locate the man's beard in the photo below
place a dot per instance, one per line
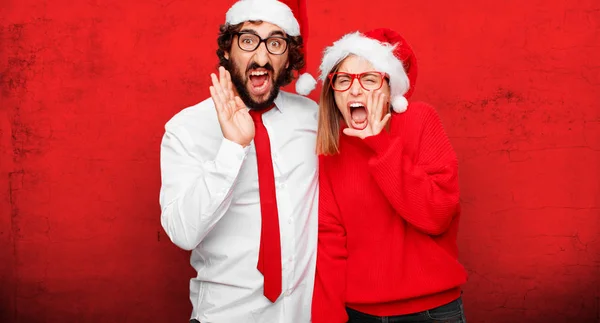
(237, 78)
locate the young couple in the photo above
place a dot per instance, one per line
(345, 211)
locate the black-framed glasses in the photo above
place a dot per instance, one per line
(369, 81)
(249, 42)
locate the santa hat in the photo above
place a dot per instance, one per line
(282, 14)
(387, 51)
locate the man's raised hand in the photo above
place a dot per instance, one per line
(234, 119)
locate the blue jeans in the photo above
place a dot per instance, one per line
(449, 313)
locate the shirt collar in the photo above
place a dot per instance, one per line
(279, 102)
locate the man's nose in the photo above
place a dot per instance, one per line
(262, 55)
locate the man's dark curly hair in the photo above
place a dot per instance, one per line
(295, 55)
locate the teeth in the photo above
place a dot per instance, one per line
(257, 73)
(356, 105)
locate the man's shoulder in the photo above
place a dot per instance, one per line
(298, 101)
(202, 113)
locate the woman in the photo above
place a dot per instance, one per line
(389, 196)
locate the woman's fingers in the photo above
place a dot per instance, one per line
(352, 132)
(386, 119)
(377, 106)
(380, 106)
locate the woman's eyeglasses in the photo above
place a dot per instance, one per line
(369, 81)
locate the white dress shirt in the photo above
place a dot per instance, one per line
(210, 205)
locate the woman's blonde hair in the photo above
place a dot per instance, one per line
(328, 131)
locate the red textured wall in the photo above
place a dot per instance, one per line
(87, 87)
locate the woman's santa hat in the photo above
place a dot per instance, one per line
(387, 51)
(282, 14)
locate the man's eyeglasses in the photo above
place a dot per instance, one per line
(369, 81)
(249, 42)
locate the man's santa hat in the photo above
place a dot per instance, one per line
(387, 51)
(282, 14)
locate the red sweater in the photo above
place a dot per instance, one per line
(388, 221)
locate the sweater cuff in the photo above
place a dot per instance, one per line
(379, 143)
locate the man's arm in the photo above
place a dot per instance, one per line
(195, 193)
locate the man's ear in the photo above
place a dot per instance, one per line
(226, 54)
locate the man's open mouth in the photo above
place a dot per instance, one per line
(260, 82)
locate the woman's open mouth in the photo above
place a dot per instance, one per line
(358, 115)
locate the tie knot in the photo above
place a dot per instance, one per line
(257, 114)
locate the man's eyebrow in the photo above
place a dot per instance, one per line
(251, 31)
(277, 33)
(273, 33)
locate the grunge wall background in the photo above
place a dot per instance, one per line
(87, 86)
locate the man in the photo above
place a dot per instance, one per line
(239, 176)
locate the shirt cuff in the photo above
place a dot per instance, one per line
(379, 143)
(230, 157)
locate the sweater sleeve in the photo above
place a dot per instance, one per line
(422, 185)
(329, 301)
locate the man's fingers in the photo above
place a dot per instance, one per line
(215, 82)
(229, 83)
(239, 103)
(223, 81)
(216, 99)
(217, 88)
(212, 94)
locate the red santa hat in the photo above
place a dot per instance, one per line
(282, 14)
(387, 51)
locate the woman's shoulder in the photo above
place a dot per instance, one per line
(417, 114)
(418, 109)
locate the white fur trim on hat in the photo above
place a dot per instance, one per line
(380, 55)
(271, 11)
(305, 84)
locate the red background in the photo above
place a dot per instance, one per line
(87, 87)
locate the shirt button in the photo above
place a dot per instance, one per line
(288, 292)
(290, 220)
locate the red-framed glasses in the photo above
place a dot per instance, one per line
(369, 81)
